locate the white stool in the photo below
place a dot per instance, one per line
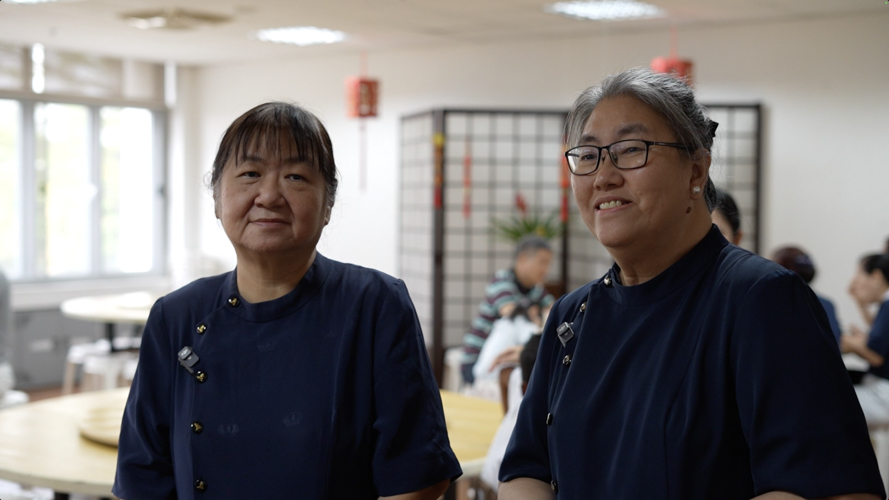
(13, 398)
(452, 379)
(103, 371)
(77, 353)
(128, 372)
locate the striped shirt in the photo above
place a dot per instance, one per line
(503, 289)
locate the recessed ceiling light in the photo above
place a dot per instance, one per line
(606, 10)
(300, 35)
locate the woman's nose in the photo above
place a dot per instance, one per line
(269, 192)
(607, 175)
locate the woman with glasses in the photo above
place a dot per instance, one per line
(692, 369)
(293, 376)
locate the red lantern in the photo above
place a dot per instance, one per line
(680, 68)
(361, 97)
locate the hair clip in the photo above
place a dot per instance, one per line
(713, 126)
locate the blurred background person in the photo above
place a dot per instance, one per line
(796, 260)
(521, 285)
(518, 383)
(727, 217)
(870, 285)
(509, 333)
(292, 376)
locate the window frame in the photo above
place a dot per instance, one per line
(27, 184)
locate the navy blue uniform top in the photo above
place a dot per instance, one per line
(325, 392)
(717, 379)
(878, 340)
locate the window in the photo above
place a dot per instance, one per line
(82, 189)
(10, 188)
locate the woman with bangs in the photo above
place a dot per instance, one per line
(292, 376)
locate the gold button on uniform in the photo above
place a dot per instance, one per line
(234, 301)
(201, 376)
(202, 328)
(607, 281)
(566, 360)
(200, 485)
(583, 307)
(197, 427)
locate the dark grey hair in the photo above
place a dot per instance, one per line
(271, 122)
(531, 244)
(665, 94)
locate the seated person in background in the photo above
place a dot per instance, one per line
(518, 382)
(871, 286)
(727, 217)
(796, 260)
(523, 284)
(6, 375)
(509, 334)
(865, 308)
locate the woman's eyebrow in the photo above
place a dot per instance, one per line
(631, 128)
(625, 130)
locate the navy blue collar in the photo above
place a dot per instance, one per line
(672, 279)
(271, 310)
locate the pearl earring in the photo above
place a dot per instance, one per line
(696, 190)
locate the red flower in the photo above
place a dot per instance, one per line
(520, 204)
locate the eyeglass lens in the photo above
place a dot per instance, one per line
(624, 154)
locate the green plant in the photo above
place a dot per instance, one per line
(524, 223)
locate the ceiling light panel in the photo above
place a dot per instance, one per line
(300, 35)
(606, 10)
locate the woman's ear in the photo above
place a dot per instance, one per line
(700, 172)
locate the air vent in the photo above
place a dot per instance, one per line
(173, 19)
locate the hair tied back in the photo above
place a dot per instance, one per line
(713, 126)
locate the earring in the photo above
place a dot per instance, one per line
(696, 190)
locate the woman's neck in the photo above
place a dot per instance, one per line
(641, 263)
(271, 277)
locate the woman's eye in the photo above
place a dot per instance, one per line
(250, 174)
(295, 177)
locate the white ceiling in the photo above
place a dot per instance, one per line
(95, 26)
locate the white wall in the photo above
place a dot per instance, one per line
(822, 82)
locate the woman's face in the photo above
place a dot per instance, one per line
(653, 199)
(272, 202)
(867, 288)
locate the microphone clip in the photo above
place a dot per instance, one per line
(188, 358)
(565, 333)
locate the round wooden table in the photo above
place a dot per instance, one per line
(41, 444)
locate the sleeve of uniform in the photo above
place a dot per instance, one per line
(144, 461)
(798, 411)
(412, 451)
(878, 340)
(527, 454)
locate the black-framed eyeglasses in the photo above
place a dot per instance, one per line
(625, 155)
